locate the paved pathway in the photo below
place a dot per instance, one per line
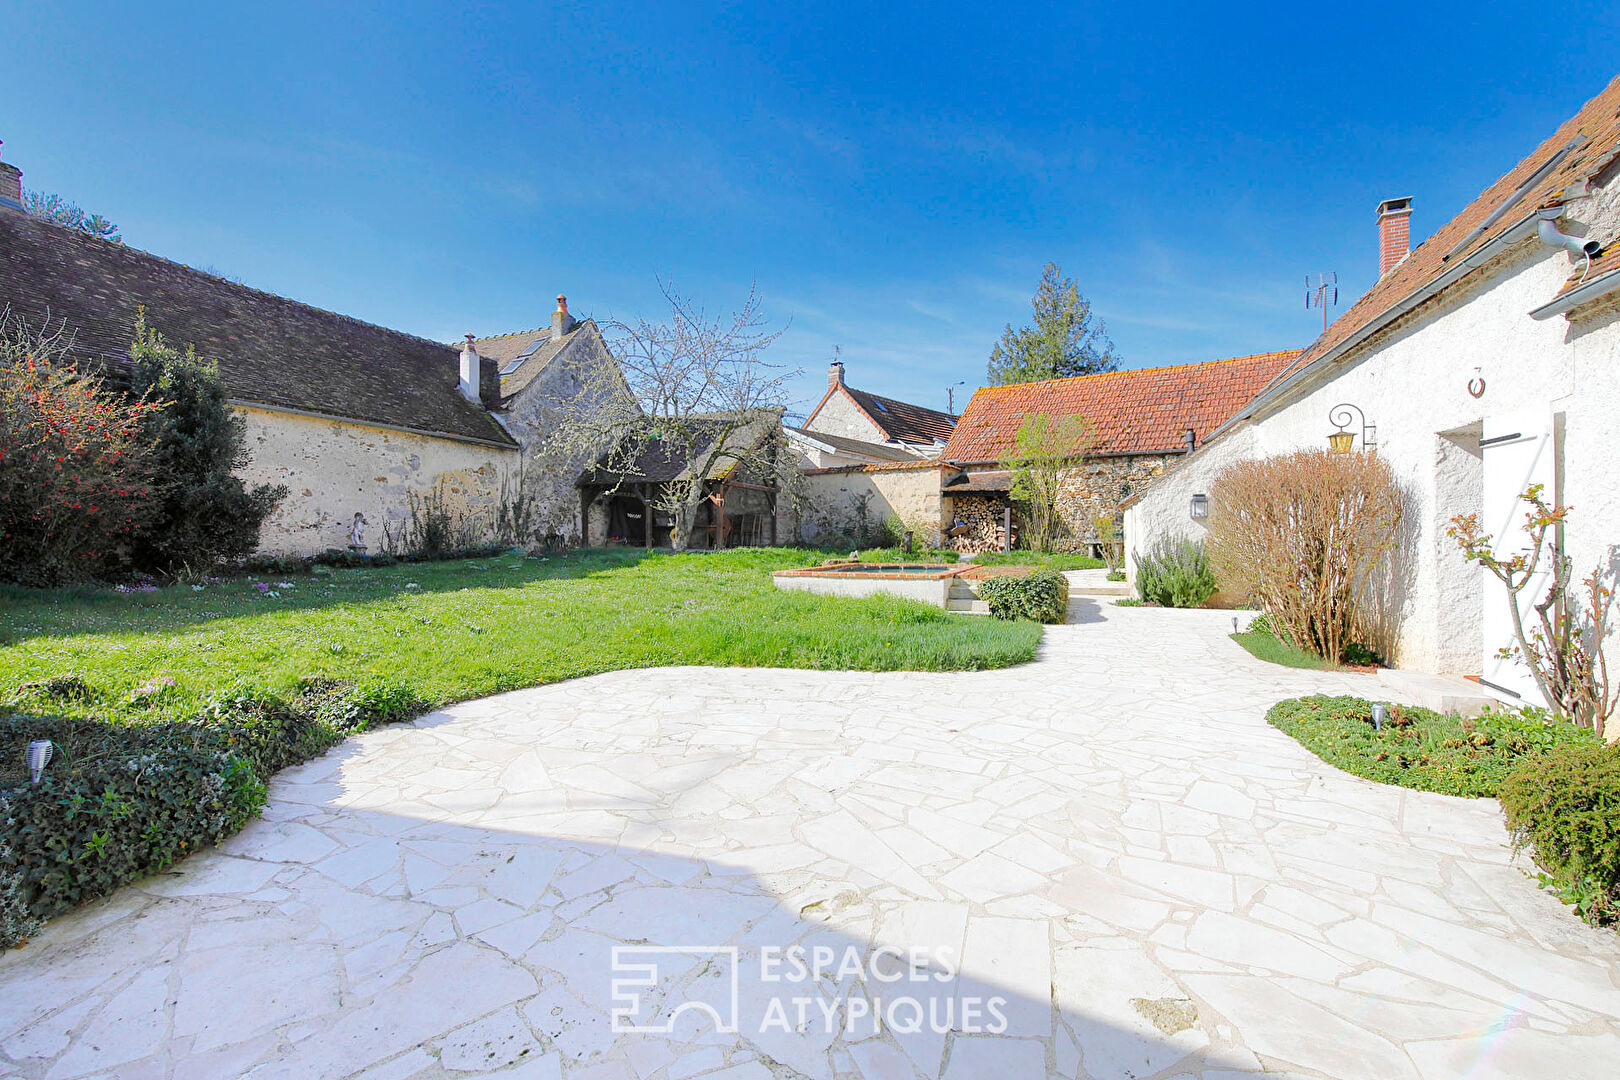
(1104, 864)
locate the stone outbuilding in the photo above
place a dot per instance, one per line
(353, 418)
(1138, 423)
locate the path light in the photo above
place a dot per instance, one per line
(1200, 507)
(38, 756)
(1234, 624)
(1380, 714)
(1341, 441)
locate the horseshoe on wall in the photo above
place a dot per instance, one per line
(1476, 385)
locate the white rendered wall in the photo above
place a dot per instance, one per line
(1412, 381)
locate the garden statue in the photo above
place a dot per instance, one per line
(357, 534)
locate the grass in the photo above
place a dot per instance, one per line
(1418, 748)
(1039, 558)
(1263, 646)
(456, 630)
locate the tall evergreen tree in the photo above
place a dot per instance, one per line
(206, 513)
(1066, 340)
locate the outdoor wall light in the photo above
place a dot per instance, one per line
(38, 756)
(1200, 507)
(1342, 440)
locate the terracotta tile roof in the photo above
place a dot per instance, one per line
(270, 350)
(1141, 411)
(1595, 133)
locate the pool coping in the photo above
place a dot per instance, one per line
(834, 573)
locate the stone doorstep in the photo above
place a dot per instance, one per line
(1442, 693)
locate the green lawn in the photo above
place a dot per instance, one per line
(457, 630)
(1265, 647)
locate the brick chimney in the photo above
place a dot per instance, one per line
(1394, 233)
(835, 374)
(561, 321)
(10, 186)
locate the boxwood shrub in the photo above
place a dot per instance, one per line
(1042, 596)
(121, 800)
(1564, 806)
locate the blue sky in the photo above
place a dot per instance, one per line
(894, 176)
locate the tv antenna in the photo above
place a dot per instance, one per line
(950, 396)
(1324, 294)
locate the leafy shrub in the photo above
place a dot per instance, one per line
(1564, 805)
(1043, 596)
(1307, 534)
(1418, 748)
(120, 801)
(75, 465)
(1175, 573)
(1116, 575)
(202, 512)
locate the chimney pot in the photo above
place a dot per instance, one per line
(1394, 233)
(835, 374)
(561, 321)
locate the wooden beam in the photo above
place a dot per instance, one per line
(646, 521)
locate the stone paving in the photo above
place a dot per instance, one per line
(1103, 864)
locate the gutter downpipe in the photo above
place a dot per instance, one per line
(1518, 231)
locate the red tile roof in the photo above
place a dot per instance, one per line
(1141, 411)
(1595, 135)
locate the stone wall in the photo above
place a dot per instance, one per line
(334, 469)
(830, 503)
(1098, 485)
(535, 412)
(841, 416)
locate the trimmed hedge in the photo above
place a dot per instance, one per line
(1042, 596)
(120, 801)
(1418, 748)
(1564, 806)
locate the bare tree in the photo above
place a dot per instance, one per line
(1564, 648)
(692, 393)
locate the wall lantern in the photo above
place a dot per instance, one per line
(1343, 440)
(1200, 507)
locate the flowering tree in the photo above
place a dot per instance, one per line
(75, 464)
(1563, 647)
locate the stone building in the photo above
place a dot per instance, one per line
(870, 465)
(351, 417)
(1483, 360)
(1138, 423)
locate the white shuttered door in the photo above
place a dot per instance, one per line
(1518, 451)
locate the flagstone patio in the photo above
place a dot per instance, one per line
(1111, 842)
